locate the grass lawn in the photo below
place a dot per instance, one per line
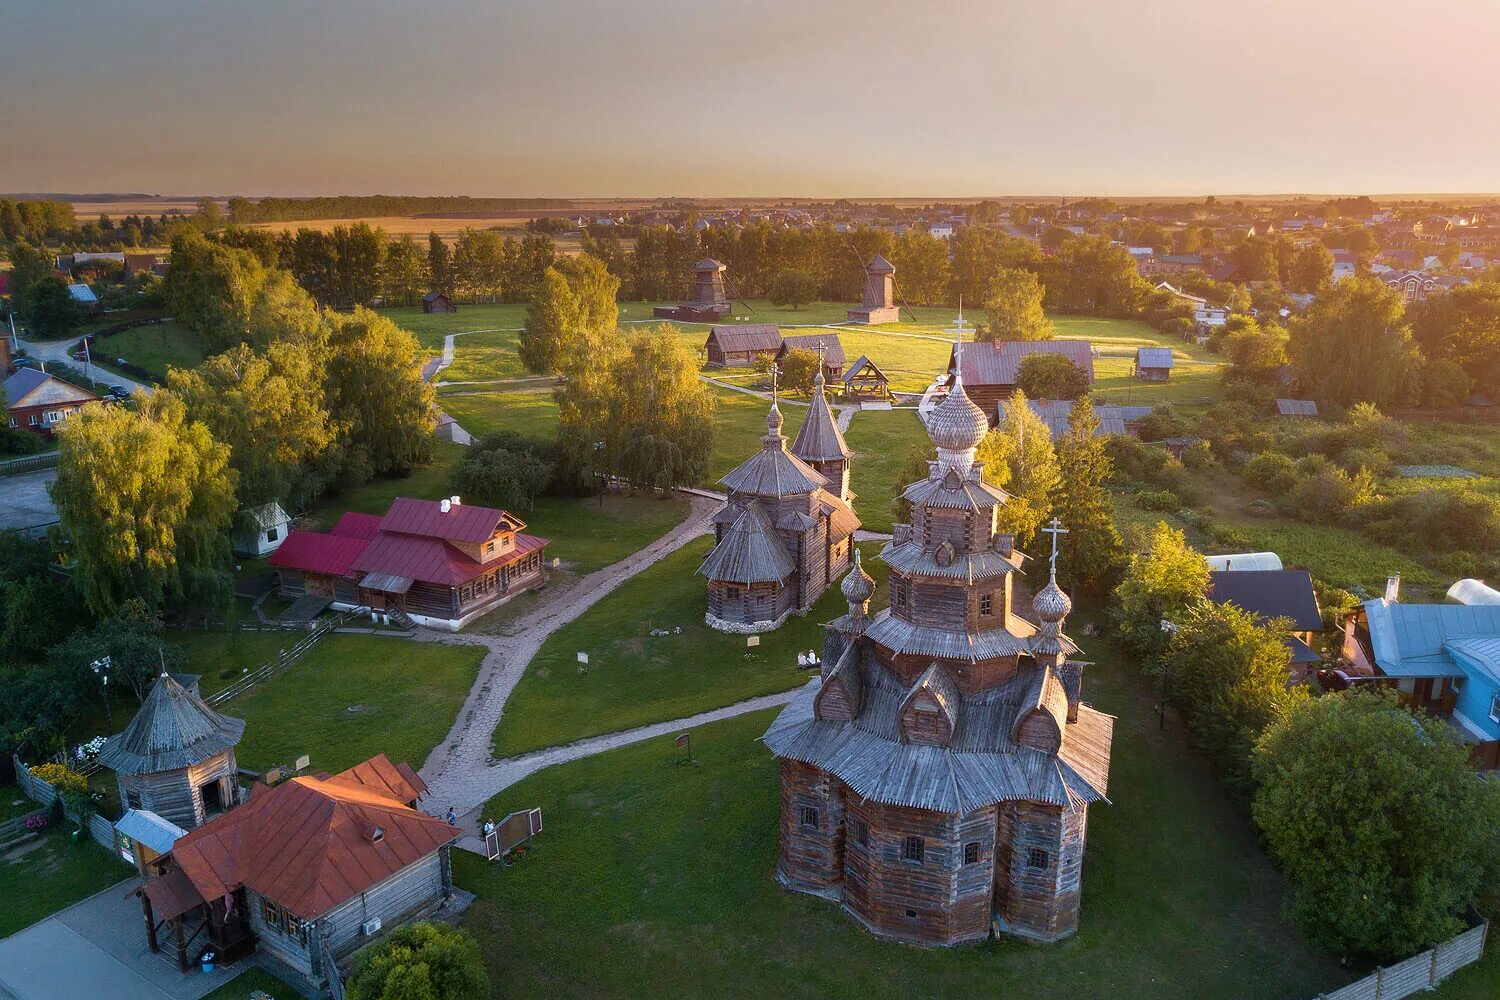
(1192, 384)
(741, 425)
(53, 876)
(431, 328)
(354, 696)
(633, 679)
(480, 356)
(663, 875)
(880, 440)
(155, 348)
(533, 414)
(246, 983)
(219, 656)
(430, 482)
(587, 536)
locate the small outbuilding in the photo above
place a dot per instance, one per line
(259, 531)
(1154, 364)
(828, 343)
(742, 346)
(864, 380)
(1296, 408)
(1276, 593)
(437, 302)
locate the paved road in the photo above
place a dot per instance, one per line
(57, 350)
(24, 502)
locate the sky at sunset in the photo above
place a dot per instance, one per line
(768, 98)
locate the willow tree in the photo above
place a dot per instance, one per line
(1354, 345)
(376, 393)
(145, 497)
(571, 310)
(210, 288)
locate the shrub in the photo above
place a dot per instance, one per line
(1158, 500)
(61, 777)
(1329, 493)
(1271, 471)
(422, 961)
(1051, 376)
(1442, 520)
(1199, 456)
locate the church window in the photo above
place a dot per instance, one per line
(898, 595)
(971, 853)
(1036, 858)
(862, 833)
(809, 817)
(987, 605)
(913, 849)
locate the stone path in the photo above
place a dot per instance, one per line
(461, 772)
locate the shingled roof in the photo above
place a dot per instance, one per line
(833, 350)
(174, 729)
(735, 339)
(773, 471)
(749, 552)
(998, 362)
(819, 438)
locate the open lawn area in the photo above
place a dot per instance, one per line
(431, 328)
(354, 696)
(532, 413)
(587, 535)
(663, 875)
(1192, 383)
(37, 882)
(482, 356)
(155, 348)
(741, 424)
(881, 440)
(244, 986)
(634, 679)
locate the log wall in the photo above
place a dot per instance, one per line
(812, 855)
(178, 795)
(1040, 901)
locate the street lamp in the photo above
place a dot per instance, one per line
(101, 667)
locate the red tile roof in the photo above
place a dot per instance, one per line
(308, 844)
(315, 552)
(463, 523)
(353, 525)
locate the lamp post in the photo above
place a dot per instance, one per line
(101, 667)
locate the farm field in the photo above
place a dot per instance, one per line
(355, 695)
(641, 854)
(633, 678)
(881, 440)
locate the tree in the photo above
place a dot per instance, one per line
(1386, 849)
(1014, 307)
(405, 271)
(283, 313)
(1255, 353)
(1091, 275)
(570, 311)
(1091, 553)
(145, 498)
(48, 308)
(208, 217)
(421, 961)
(1312, 268)
(1160, 584)
(642, 400)
(1354, 345)
(799, 367)
(793, 287)
(376, 390)
(1462, 325)
(210, 288)
(501, 471)
(28, 265)
(132, 639)
(979, 253)
(921, 262)
(1229, 673)
(1023, 445)
(1051, 376)
(439, 265)
(268, 407)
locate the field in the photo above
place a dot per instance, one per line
(155, 348)
(532, 413)
(353, 696)
(881, 441)
(742, 423)
(642, 855)
(633, 678)
(431, 328)
(587, 535)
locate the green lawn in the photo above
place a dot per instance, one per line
(880, 440)
(56, 875)
(431, 328)
(155, 348)
(480, 356)
(741, 424)
(354, 696)
(219, 656)
(662, 875)
(533, 414)
(247, 982)
(633, 678)
(1192, 383)
(587, 535)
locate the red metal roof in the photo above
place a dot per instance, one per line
(463, 523)
(315, 552)
(353, 525)
(308, 844)
(432, 560)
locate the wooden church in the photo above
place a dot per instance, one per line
(787, 528)
(936, 779)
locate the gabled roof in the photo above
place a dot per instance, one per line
(749, 552)
(1297, 407)
(433, 296)
(173, 729)
(309, 844)
(998, 362)
(879, 265)
(1418, 640)
(460, 523)
(833, 350)
(1153, 357)
(708, 264)
(1269, 593)
(860, 364)
(33, 387)
(265, 516)
(315, 552)
(1055, 413)
(734, 339)
(431, 560)
(355, 525)
(819, 438)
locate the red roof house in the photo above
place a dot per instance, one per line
(438, 562)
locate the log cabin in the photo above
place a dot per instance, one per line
(742, 346)
(439, 563)
(990, 368)
(936, 779)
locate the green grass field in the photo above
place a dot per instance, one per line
(53, 876)
(587, 535)
(155, 348)
(533, 414)
(741, 425)
(633, 678)
(881, 441)
(662, 875)
(430, 482)
(245, 985)
(480, 357)
(354, 696)
(431, 328)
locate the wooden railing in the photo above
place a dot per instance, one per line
(286, 658)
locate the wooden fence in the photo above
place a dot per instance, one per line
(1418, 973)
(28, 463)
(285, 659)
(100, 829)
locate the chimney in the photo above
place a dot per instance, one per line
(1393, 588)
(444, 505)
(453, 501)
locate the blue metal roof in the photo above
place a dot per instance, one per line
(1419, 640)
(1480, 655)
(1153, 357)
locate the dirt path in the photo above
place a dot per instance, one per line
(461, 772)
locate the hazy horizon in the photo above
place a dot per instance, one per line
(665, 98)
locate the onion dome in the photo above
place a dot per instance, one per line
(857, 587)
(773, 419)
(957, 424)
(1051, 604)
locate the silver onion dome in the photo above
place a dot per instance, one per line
(857, 587)
(956, 424)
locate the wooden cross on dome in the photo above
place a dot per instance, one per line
(1054, 528)
(774, 371)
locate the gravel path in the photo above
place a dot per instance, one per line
(460, 772)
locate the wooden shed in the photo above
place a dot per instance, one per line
(1296, 408)
(833, 351)
(437, 302)
(865, 380)
(1154, 364)
(742, 346)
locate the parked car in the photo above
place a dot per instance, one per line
(119, 390)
